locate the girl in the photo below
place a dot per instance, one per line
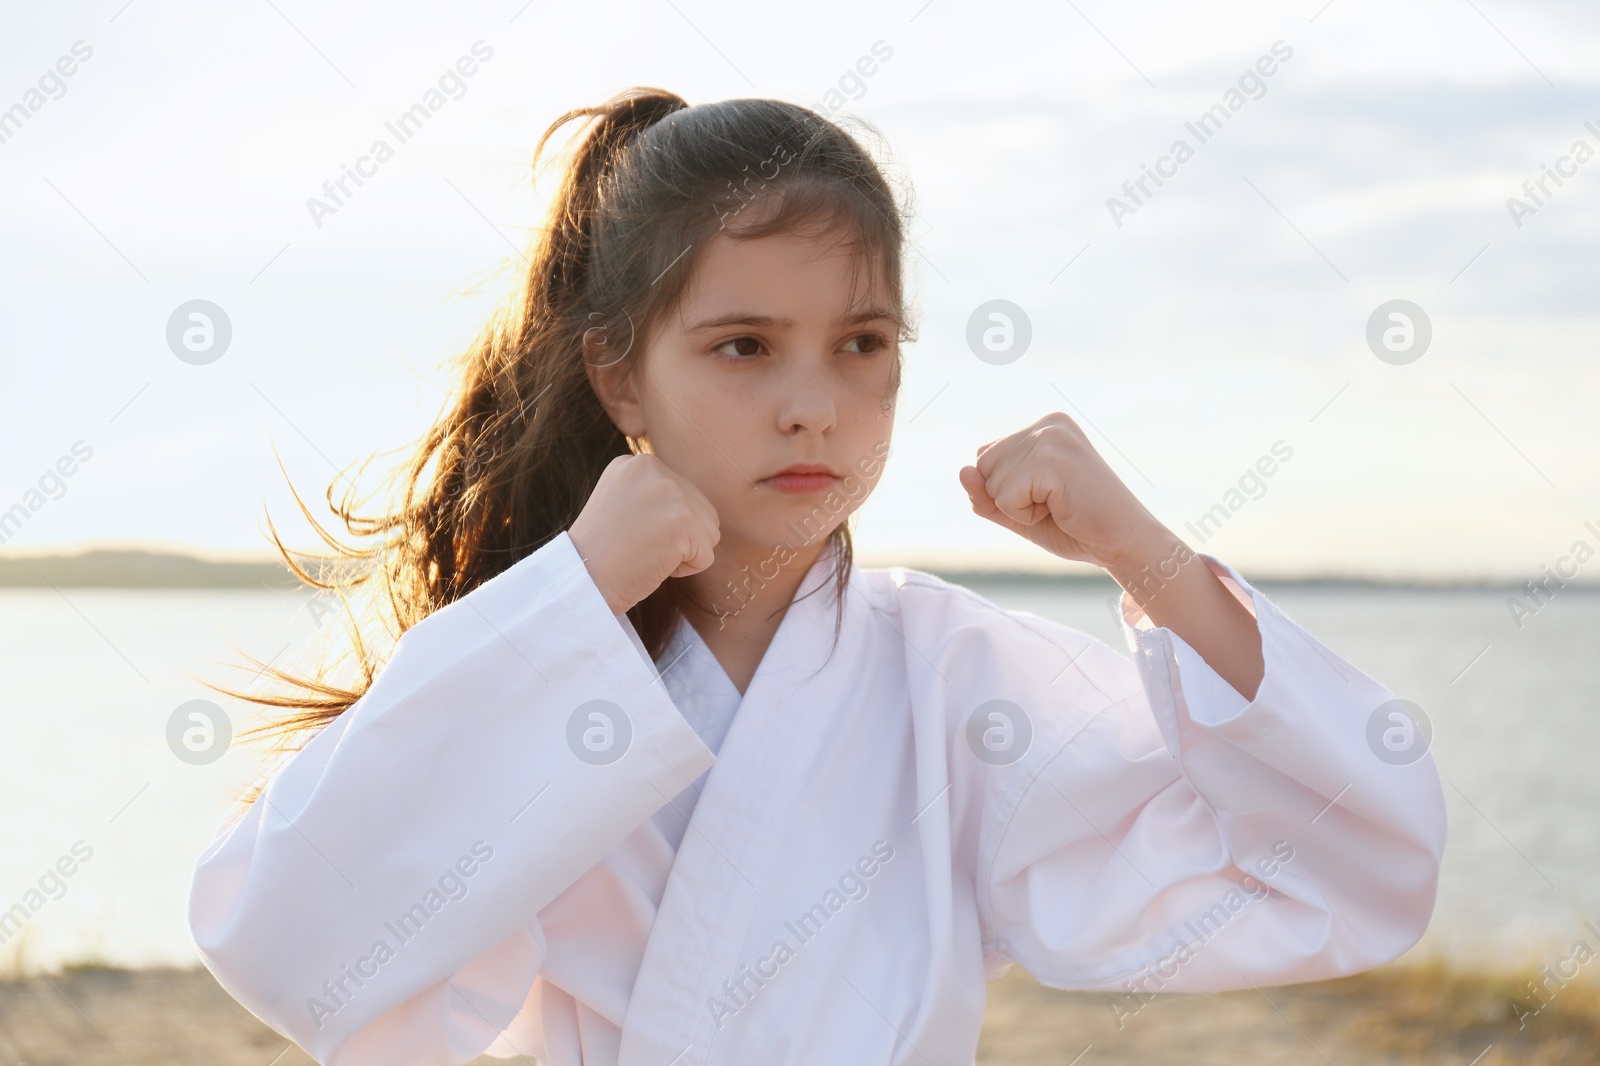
(653, 775)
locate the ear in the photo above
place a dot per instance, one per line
(613, 379)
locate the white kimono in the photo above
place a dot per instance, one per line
(491, 851)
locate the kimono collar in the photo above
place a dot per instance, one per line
(734, 838)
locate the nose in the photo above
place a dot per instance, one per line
(807, 404)
(807, 408)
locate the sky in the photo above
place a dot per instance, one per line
(1192, 328)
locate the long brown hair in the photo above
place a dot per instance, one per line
(523, 439)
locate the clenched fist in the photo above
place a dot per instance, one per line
(1047, 483)
(643, 524)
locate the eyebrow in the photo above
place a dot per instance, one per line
(745, 318)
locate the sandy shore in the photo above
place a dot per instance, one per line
(1394, 1016)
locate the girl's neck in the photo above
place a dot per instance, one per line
(741, 607)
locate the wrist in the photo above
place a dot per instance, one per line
(597, 575)
(1148, 559)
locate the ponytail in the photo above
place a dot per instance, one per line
(618, 122)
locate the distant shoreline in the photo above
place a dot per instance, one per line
(1265, 582)
(139, 569)
(142, 569)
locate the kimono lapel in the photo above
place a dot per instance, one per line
(730, 847)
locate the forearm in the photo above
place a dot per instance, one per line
(1178, 590)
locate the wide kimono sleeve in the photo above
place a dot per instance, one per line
(378, 902)
(1163, 833)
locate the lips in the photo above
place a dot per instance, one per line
(802, 478)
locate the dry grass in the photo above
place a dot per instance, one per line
(1426, 1008)
(1419, 1012)
(1401, 1015)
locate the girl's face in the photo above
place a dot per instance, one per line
(766, 364)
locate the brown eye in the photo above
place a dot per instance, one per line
(874, 342)
(743, 346)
